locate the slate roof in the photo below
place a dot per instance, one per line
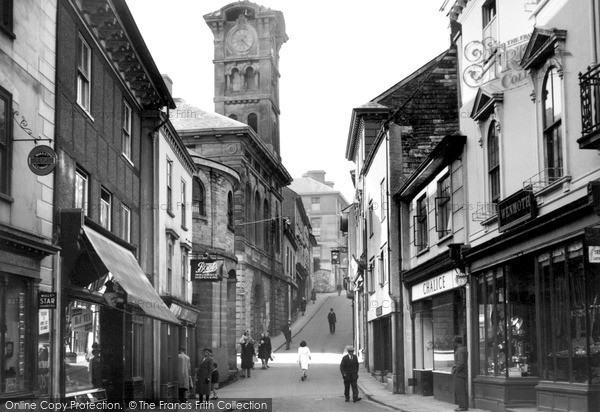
(189, 117)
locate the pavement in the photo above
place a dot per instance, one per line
(369, 386)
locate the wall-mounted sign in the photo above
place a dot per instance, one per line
(206, 269)
(516, 209)
(435, 285)
(47, 300)
(44, 321)
(42, 160)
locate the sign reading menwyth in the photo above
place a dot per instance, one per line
(516, 209)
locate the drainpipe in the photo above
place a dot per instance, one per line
(594, 31)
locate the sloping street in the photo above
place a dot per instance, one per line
(324, 389)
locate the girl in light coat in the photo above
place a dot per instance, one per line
(303, 359)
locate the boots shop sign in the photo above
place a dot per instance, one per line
(206, 269)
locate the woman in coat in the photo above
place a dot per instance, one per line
(247, 355)
(303, 359)
(204, 374)
(264, 349)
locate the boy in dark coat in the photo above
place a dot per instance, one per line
(349, 369)
(331, 319)
(205, 374)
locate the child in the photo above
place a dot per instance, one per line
(214, 379)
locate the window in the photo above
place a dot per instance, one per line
(552, 112)
(198, 198)
(81, 191)
(506, 311)
(84, 73)
(489, 12)
(170, 187)
(383, 204)
(5, 139)
(371, 276)
(253, 121)
(267, 225)
(383, 268)
(420, 224)
(233, 116)
(257, 220)
(443, 207)
(315, 223)
(183, 204)
(250, 79)
(6, 17)
(370, 221)
(170, 251)
(184, 272)
(126, 132)
(317, 252)
(125, 223)
(105, 208)
(230, 210)
(315, 203)
(493, 157)
(248, 226)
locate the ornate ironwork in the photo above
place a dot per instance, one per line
(22, 123)
(589, 85)
(543, 179)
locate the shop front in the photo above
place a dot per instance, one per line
(536, 329)
(438, 308)
(108, 309)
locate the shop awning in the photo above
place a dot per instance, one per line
(121, 263)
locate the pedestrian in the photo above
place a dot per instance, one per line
(304, 359)
(331, 319)
(264, 349)
(287, 333)
(303, 305)
(247, 356)
(214, 380)
(184, 374)
(204, 375)
(459, 373)
(349, 369)
(96, 366)
(313, 295)
(339, 289)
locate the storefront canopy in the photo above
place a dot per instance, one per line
(121, 263)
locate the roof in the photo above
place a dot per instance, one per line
(189, 117)
(308, 185)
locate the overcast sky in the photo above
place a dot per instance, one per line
(340, 55)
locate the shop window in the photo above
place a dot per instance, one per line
(551, 120)
(83, 353)
(443, 207)
(5, 139)
(564, 328)
(448, 321)
(15, 339)
(506, 332)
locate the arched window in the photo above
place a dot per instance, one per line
(233, 116)
(493, 155)
(253, 121)
(552, 115)
(230, 210)
(267, 225)
(257, 220)
(236, 80)
(249, 218)
(198, 198)
(250, 79)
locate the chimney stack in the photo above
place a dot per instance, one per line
(169, 83)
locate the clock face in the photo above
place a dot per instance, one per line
(241, 40)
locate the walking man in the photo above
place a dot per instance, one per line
(331, 319)
(184, 373)
(287, 333)
(459, 372)
(349, 369)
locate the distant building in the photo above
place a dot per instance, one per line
(324, 206)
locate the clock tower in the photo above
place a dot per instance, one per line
(247, 38)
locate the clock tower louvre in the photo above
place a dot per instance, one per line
(247, 39)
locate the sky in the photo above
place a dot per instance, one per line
(340, 55)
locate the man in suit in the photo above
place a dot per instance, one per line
(331, 319)
(184, 373)
(459, 372)
(349, 369)
(287, 333)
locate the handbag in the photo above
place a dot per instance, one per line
(254, 358)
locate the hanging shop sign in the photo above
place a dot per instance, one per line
(47, 300)
(516, 209)
(42, 160)
(206, 269)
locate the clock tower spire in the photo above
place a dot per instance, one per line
(247, 39)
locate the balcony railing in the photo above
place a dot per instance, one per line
(543, 179)
(589, 86)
